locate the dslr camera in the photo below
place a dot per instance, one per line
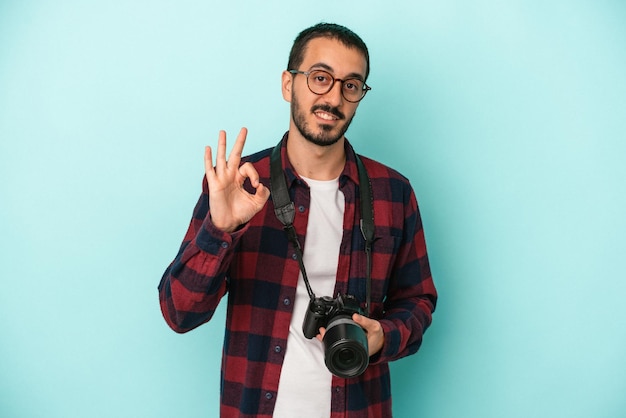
(345, 343)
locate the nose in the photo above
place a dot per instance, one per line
(334, 95)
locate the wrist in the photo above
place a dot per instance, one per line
(229, 228)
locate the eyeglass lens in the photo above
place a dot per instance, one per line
(321, 82)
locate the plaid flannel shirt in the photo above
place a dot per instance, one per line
(257, 267)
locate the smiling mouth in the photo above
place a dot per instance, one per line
(327, 113)
(326, 116)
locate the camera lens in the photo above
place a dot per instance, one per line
(346, 347)
(345, 356)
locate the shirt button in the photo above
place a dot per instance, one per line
(277, 349)
(268, 395)
(294, 256)
(301, 208)
(224, 244)
(286, 301)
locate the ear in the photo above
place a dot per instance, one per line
(287, 85)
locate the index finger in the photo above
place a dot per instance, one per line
(235, 154)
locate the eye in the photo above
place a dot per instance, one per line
(353, 85)
(320, 78)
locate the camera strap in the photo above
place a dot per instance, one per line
(285, 212)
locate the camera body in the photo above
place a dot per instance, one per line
(322, 310)
(345, 343)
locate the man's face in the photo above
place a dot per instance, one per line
(323, 119)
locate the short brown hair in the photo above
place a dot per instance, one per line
(326, 30)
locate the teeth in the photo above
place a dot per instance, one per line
(325, 116)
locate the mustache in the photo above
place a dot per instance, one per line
(328, 109)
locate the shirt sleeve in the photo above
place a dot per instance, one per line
(194, 283)
(411, 297)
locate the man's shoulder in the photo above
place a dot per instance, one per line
(257, 156)
(376, 169)
(388, 185)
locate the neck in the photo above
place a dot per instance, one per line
(314, 161)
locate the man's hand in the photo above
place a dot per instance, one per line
(231, 205)
(373, 329)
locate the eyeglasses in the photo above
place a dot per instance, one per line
(321, 82)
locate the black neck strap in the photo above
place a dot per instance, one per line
(285, 212)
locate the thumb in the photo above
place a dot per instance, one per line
(363, 321)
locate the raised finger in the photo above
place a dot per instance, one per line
(235, 154)
(220, 160)
(208, 163)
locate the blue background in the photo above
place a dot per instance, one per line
(508, 117)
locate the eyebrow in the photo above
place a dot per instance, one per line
(330, 69)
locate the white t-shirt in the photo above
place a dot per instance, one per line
(304, 389)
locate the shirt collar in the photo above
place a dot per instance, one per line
(349, 172)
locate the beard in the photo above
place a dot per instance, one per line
(326, 136)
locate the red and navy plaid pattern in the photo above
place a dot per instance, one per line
(258, 269)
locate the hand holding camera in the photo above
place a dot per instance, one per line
(346, 352)
(373, 330)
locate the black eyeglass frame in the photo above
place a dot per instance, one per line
(365, 89)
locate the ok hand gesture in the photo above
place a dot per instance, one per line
(231, 205)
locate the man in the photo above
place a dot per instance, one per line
(236, 244)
